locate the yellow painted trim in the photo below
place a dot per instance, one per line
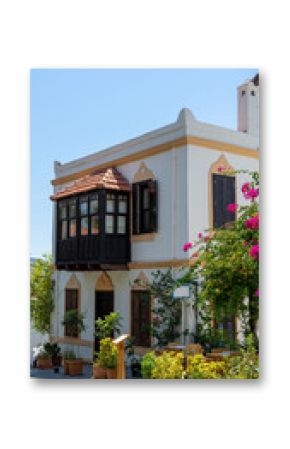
(186, 140)
(73, 341)
(143, 237)
(104, 283)
(161, 264)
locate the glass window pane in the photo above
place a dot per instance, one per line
(121, 224)
(72, 208)
(84, 206)
(62, 210)
(94, 204)
(94, 224)
(64, 230)
(146, 220)
(122, 200)
(84, 226)
(72, 228)
(109, 224)
(145, 194)
(110, 203)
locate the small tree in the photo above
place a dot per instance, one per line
(41, 302)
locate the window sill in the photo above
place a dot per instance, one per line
(148, 237)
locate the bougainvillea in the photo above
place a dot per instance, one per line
(228, 262)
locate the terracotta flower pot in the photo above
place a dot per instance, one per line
(73, 367)
(57, 360)
(98, 372)
(111, 373)
(44, 363)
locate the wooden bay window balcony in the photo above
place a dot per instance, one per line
(93, 223)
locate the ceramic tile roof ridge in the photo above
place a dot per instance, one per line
(109, 178)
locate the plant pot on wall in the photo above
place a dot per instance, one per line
(44, 363)
(99, 372)
(111, 373)
(73, 367)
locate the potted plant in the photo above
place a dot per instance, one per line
(98, 371)
(54, 350)
(107, 357)
(109, 326)
(74, 322)
(44, 359)
(73, 366)
(133, 359)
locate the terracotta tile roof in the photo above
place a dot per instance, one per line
(108, 178)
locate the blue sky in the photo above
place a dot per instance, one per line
(75, 112)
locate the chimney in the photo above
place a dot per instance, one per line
(248, 107)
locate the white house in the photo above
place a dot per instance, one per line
(121, 213)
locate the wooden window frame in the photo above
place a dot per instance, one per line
(138, 209)
(233, 214)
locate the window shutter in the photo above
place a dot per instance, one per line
(229, 197)
(223, 194)
(153, 190)
(135, 208)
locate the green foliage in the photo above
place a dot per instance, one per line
(168, 366)
(107, 357)
(69, 355)
(110, 325)
(246, 365)
(52, 349)
(167, 311)
(74, 322)
(228, 272)
(41, 303)
(199, 368)
(148, 362)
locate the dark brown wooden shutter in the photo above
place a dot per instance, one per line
(153, 195)
(135, 209)
(71, 303)
(223, 194)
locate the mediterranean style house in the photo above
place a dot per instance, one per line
(124, 212)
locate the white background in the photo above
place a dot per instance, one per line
(135, 33)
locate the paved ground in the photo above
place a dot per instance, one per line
(50, 374)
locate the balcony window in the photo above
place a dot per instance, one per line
(121, 224)
(94, 204)
(110, 202)
(84, 206)
(145, 213)
(95, 227)
(84, 226)
(63, 229)
(109, 224)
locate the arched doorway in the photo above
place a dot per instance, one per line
(104, 299)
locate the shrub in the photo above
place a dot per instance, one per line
(107, 357)
(246, 365)
(199, 368)
(147, 364)
(168, 366)
(108, 326)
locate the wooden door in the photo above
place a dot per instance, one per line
(104, 305)
(140, 318)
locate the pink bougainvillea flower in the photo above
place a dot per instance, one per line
(257, 293)
(252, 223)
(199, 235)
(245, 187)
(187, 246)
(254, 251)
(232, 207)
(251, 194)
(221, 168)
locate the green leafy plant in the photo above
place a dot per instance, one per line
(107, 357)
(41, 302)
(74, 322)
(108, 326)
(52, 349)
(245, 365)
(199, 368)
(169, 365)
(148, 363)
(166, 310)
